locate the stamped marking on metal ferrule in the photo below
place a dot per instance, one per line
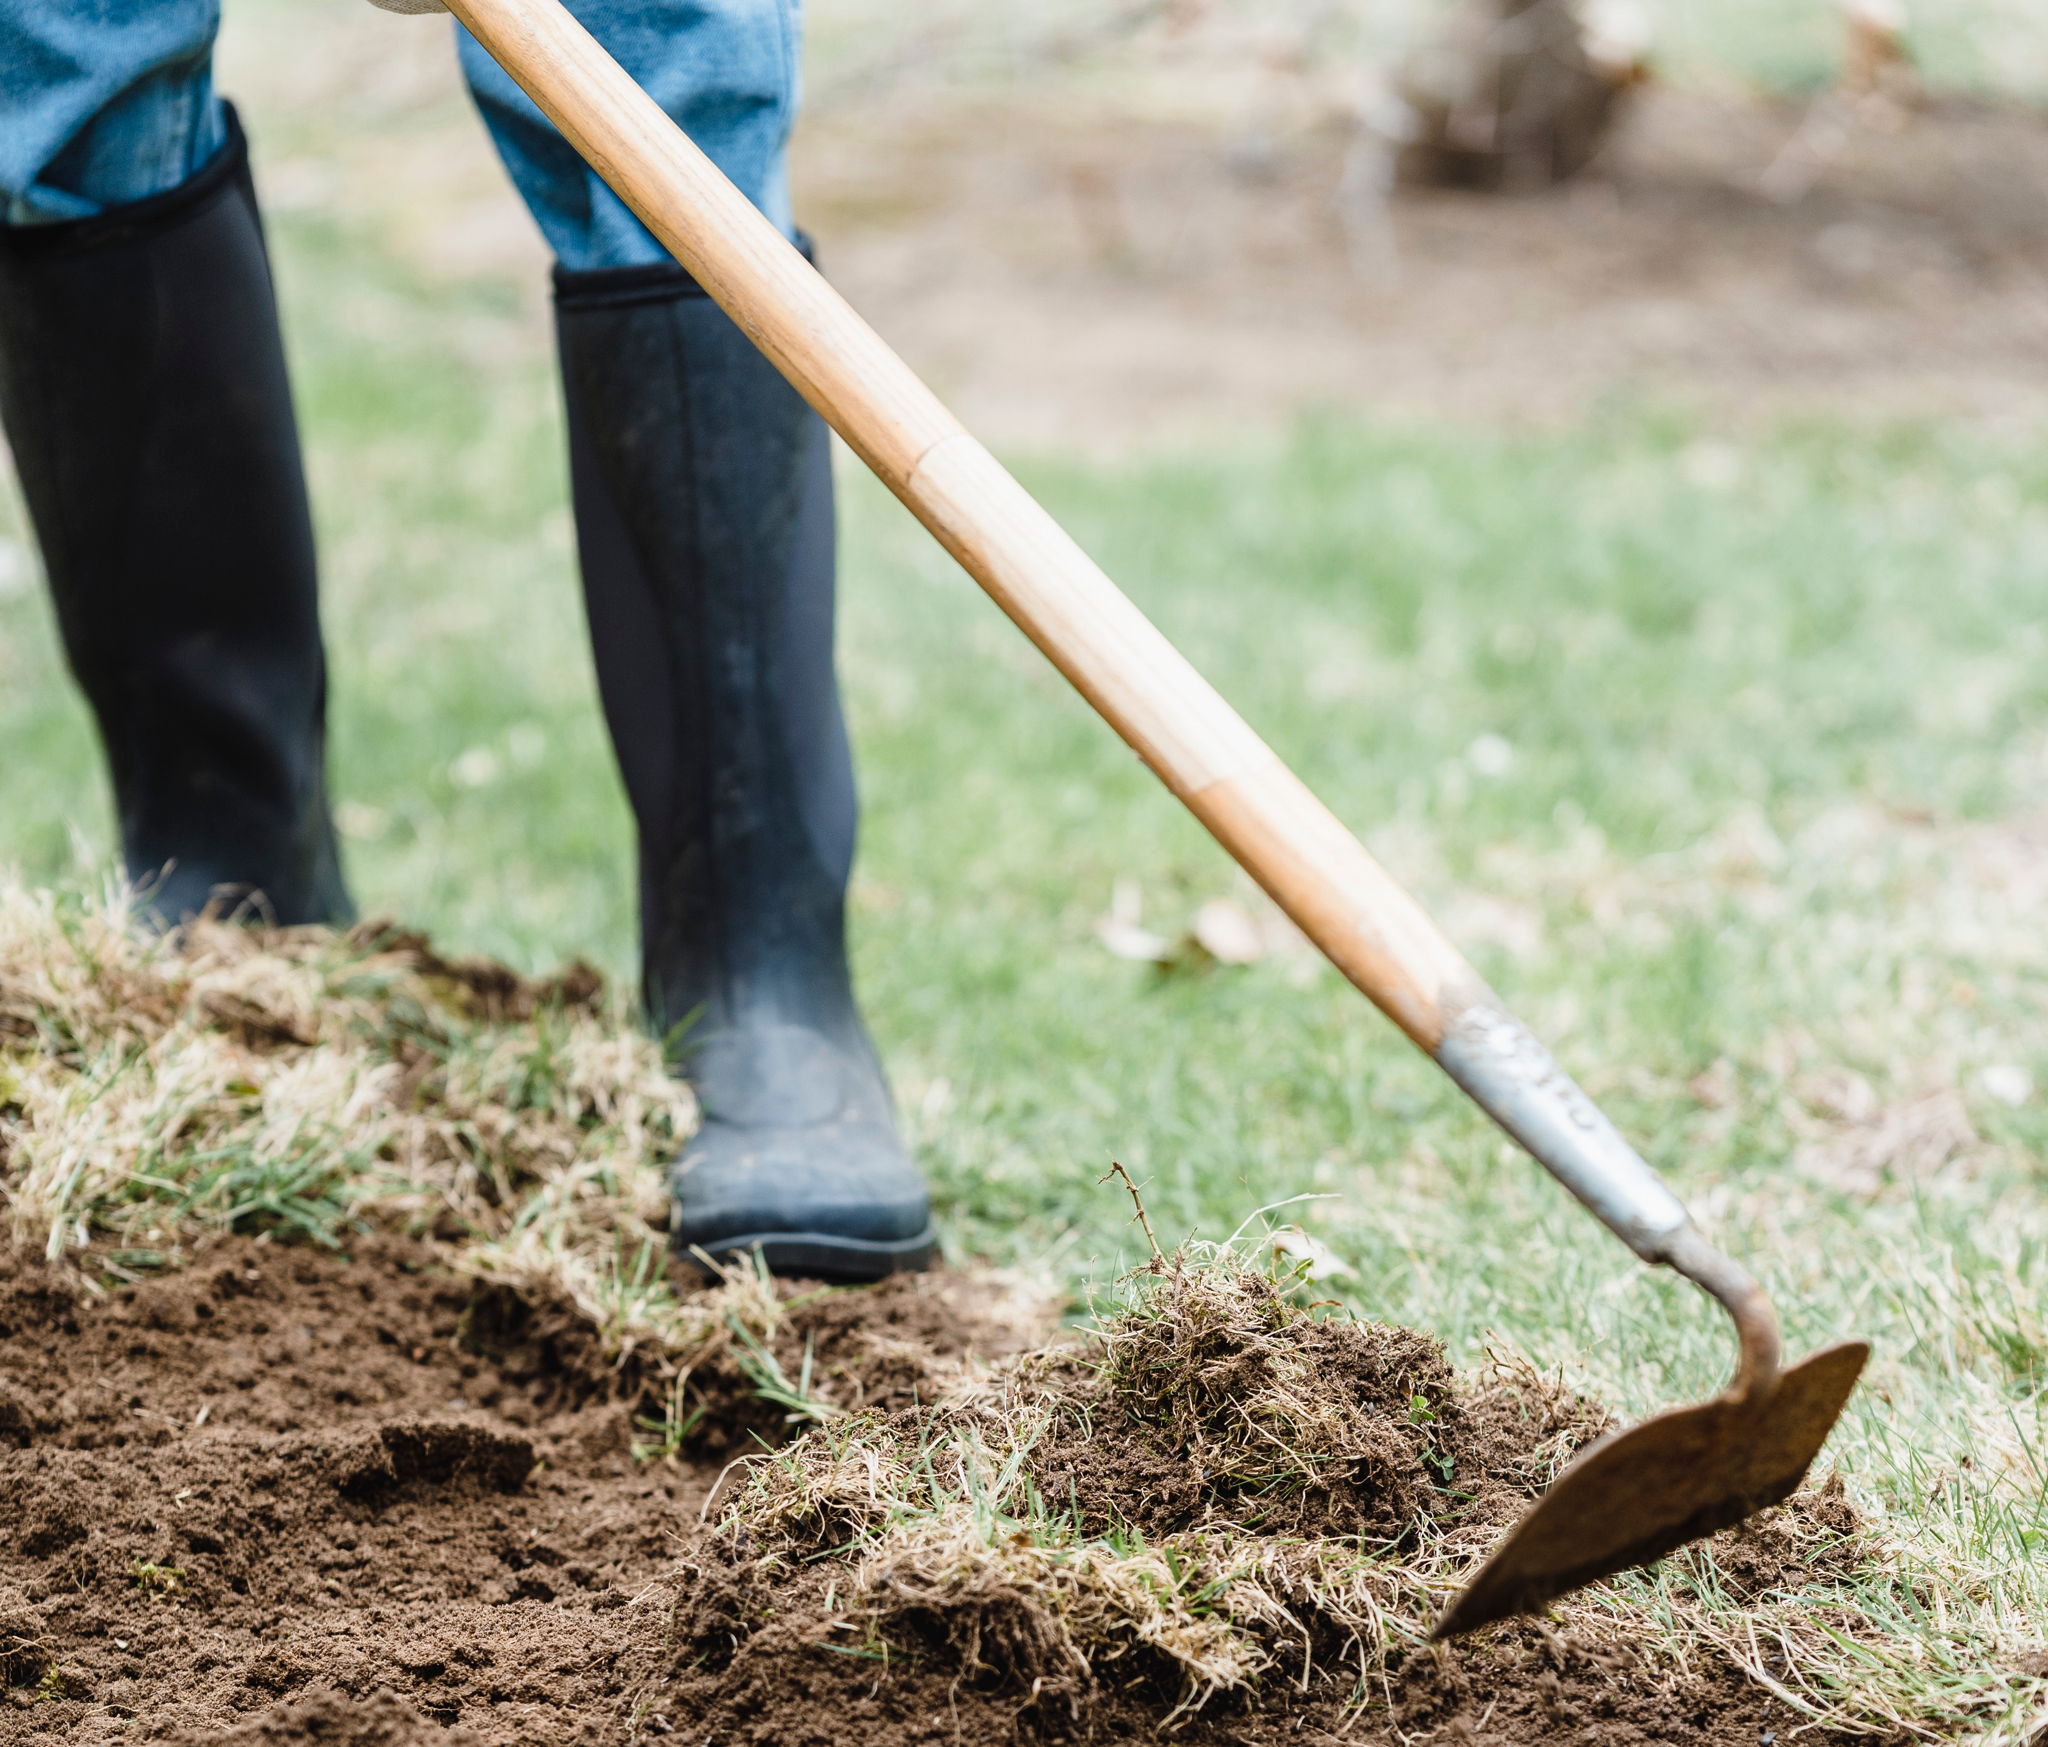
(1510, 1075)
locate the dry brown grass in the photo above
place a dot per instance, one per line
(232, 1077)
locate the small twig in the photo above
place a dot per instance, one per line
(1137, 1201)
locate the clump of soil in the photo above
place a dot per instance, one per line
(286, 1495)
(1215, 1399)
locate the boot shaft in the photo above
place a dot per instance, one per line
(703, 498)
(143, 389)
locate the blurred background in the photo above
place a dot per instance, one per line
(1613, 472)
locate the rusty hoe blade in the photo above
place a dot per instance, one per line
(1639, 1493)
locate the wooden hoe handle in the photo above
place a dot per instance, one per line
(1278, 831)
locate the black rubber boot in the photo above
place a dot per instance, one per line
(703, 494)
(142, 384)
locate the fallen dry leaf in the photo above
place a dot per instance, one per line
(1227, 934)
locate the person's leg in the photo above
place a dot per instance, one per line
(143, 391)
(103, 105)
(724, 70)
(703, 494)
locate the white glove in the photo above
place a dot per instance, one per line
(413, 6)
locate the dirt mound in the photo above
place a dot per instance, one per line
(348, 1392)
(1217, 1512)
(1357, 1429)
(285, 1495)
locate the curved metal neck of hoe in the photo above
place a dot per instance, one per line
(1756, 1321)
(1517, 1082)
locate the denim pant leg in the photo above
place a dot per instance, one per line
(105, 103)
(725, 70)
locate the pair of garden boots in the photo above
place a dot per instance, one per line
(143, 388)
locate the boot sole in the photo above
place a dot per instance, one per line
(817, 1255)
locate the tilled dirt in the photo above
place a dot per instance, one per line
(1073, 277)
(284, 1495)
(279, 1473)
(1165, 254)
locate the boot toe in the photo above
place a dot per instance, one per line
(836, 1199)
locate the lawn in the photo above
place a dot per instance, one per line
(1724, 751)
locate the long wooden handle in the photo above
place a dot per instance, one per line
(1278, 831)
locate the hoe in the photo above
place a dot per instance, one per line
(1626, 1500)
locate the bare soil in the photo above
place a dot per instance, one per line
(286, 1495)
(1070, 275)
(1160, 257)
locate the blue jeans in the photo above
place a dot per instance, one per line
(107, 101)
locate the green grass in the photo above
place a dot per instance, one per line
(1766, 862)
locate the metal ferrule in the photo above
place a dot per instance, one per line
(1516, 1081)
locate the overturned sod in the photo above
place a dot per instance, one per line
(345, 1394)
